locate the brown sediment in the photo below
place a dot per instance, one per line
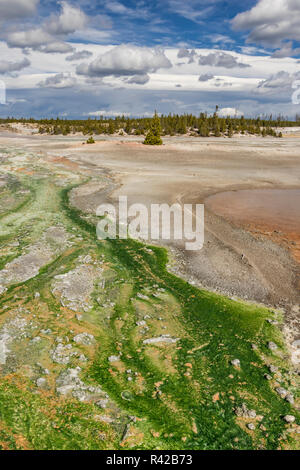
(274, 213)
(64, 161)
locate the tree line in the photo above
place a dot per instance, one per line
(203, 125)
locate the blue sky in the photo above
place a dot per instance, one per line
(80, 58)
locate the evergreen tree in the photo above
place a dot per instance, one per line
(154, 135)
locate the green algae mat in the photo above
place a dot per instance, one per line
(102, 348)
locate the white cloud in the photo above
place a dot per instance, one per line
(33, 38)
(119, 8)
(270, 22)
(221, 59)
(70, 20)
(12, 9)
(57, 47)
(193, 10)
(79, 55)
(126, 60)
(232, 112)
(60, 80)
(182, 53)
(8, 67)
(285, 51)
(139, 79)
(280, 82)
(107, 112)
(48, 37)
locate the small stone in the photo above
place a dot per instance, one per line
(41, 382)
(290, 398)
(272, 346)
(78, 317)
(251, 426)
(254, 347)
(268, 377)
(114, 358)
(236, 362)
(281, 392)
(35, 340)
(252, 414)
(289, 419)
(102, 403)
(273, 369)
(46, 332)
(84, 338)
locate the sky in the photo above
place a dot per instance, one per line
(82, 58)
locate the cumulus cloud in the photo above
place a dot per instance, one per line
(69, 20)
(59, 47)
(182, 53)
(205, 77)
(232, 112)
(285, 51)
(49, 36)
(282, 81)
(13, 9)
(126, 60)
(33, 38)
(60, 80)
(270, 22)
(221, 59)
(8, 67)
(79, 55)
(37, 39)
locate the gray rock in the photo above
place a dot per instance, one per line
(273, 369)
(281, 392)
(244, 412)
(84, 338)
(272, 346)
(236, 362)
(251, 426)
(41, 382)
(142, 296)
(114, 358)
(35, 340)
(290, 398)
(102, 403)
(161, 339)
(62, 354)
(289, 419)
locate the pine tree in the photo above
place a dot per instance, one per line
(154, 135)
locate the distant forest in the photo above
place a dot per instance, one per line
(203, 125)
